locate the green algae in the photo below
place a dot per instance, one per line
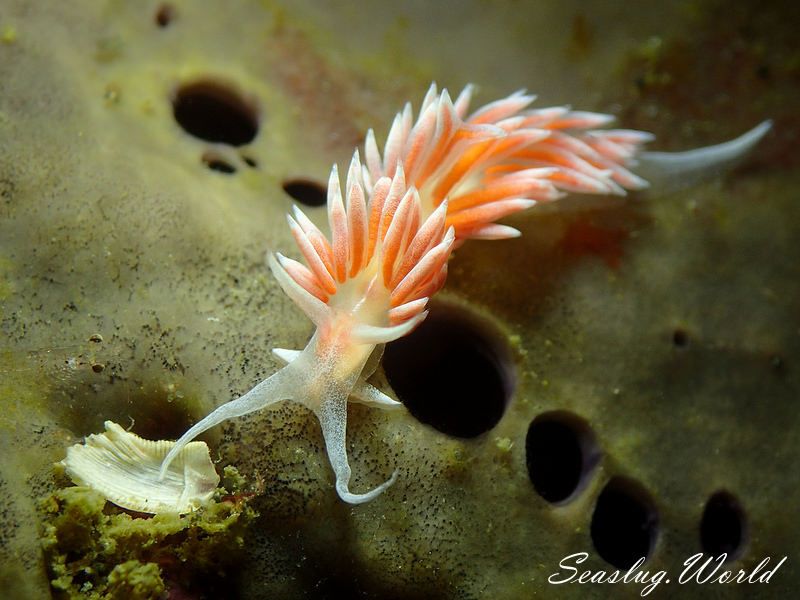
(135, 580)
(94, 550)
(6, 287)
(8, 34)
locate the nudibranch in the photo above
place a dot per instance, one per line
(442, 179)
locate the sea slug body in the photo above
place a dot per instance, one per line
(443, 179)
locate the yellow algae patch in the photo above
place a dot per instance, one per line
(94, 551)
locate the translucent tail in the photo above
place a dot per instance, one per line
(672, 171)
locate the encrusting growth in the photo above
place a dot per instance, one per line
(442, 179)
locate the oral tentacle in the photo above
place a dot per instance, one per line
(275, 388)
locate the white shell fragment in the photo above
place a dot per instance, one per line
(125, 469)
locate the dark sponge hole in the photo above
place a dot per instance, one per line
(624, 523)
(306, 191)
(215, 163)
(166, 421)
(680, 338)
(452, 373)
(561, 451)
(165, 15)
(722, 528)
(214, 112)
(146, 408)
